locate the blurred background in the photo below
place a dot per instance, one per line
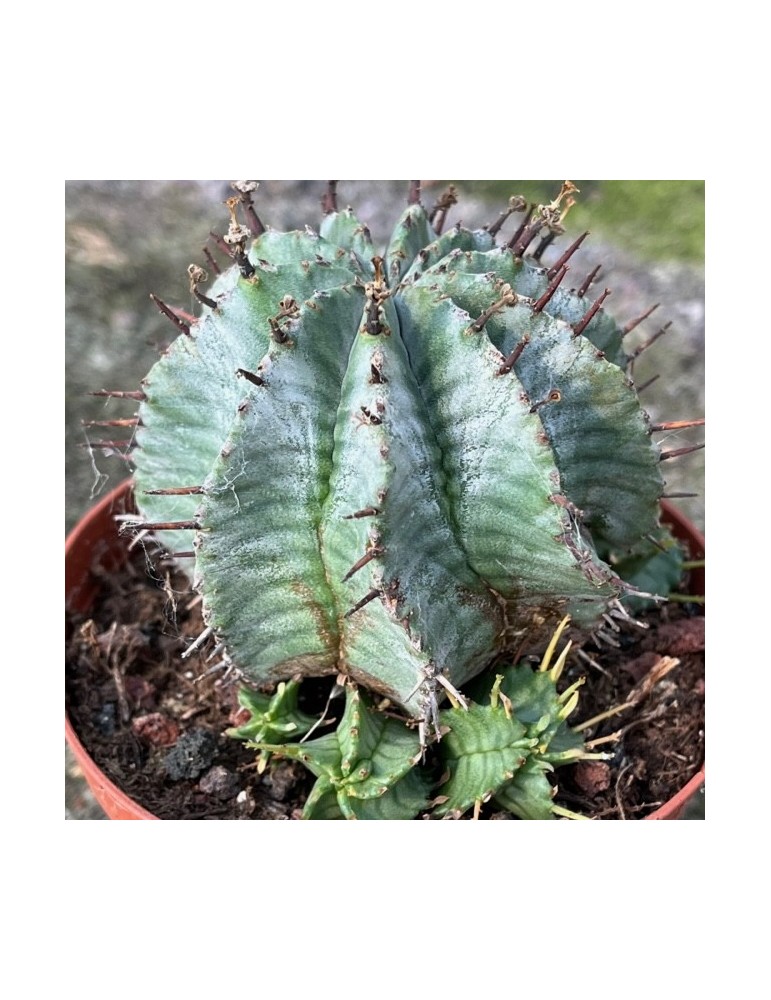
(126, 239)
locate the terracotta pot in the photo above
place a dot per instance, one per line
(95, 541)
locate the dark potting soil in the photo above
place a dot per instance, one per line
(155, 722)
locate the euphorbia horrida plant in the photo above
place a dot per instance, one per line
(397, 467)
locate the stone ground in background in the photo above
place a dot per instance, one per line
(125, 239)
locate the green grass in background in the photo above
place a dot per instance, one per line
(632, 214)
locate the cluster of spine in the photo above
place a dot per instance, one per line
(396, 466)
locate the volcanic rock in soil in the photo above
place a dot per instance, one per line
(192, 755)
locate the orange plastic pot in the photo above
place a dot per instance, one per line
(95, 542)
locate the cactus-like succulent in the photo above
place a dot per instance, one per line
(501, 747)
(271, 717)
(397, 466)
(365, 769)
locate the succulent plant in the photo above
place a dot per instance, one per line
(365, 769)
(500, 746)
(271, 717)
(399, 467)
